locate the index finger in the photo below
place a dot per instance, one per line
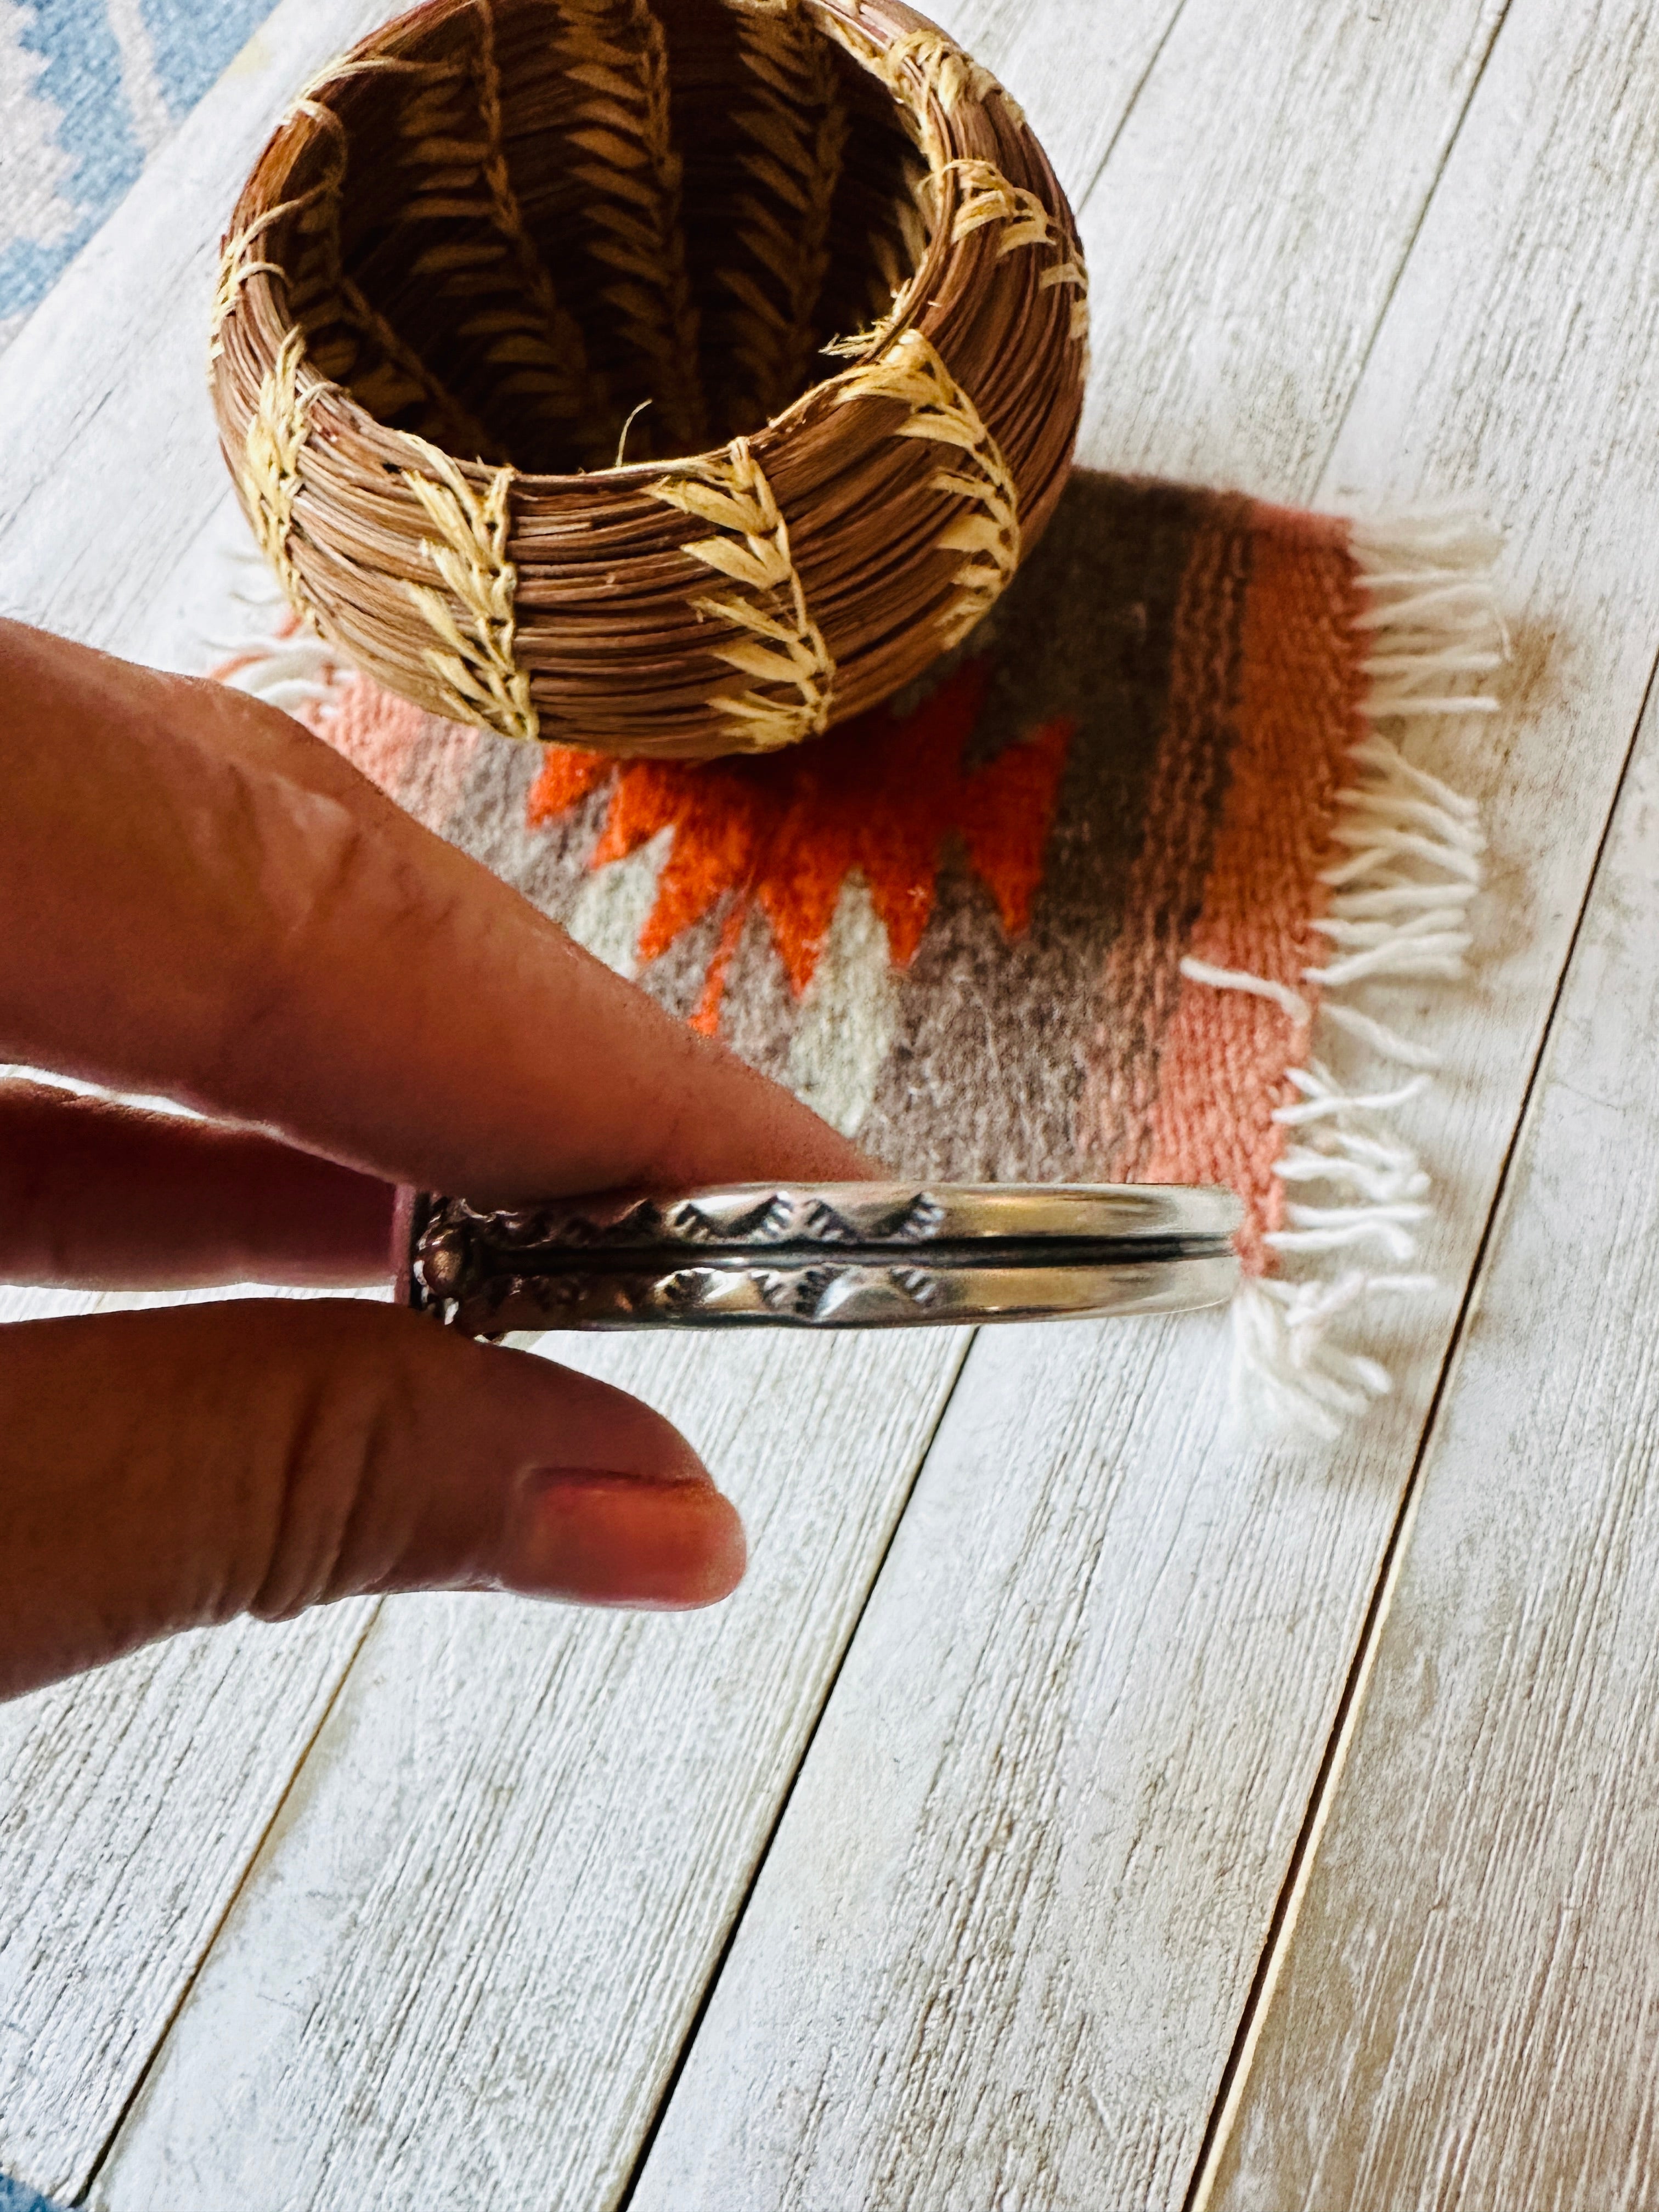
(204, 901)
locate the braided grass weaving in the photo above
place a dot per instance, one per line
(670, 377)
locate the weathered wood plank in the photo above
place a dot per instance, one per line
(1260, 201)
(1475, 1944)
(480, 1929)
(175, 2134)
(119, 1843)
(1077, 69)
(114, 522)
(1005, 1937)
(129, 1812)
(1478, 1943)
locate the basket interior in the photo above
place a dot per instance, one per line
(568, 229)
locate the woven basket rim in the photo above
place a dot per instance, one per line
(927, 279)
(826, 554)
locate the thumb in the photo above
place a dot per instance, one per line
(168, 1469)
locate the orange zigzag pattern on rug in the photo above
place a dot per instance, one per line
(882, 795)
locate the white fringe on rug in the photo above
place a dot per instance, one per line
(1410, 852)
(276, 658)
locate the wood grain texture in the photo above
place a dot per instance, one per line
(119, 1844)
(1245, 241)
(1469, 2012)
(131, 1802)
(115, 525)
(1104, 1819)
(1467, 2005)
(467, 1956)
(183, 2098)
(996, 1953)
(104, 1910)
(1002, 1943)
(1077, 69)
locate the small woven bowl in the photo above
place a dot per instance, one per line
(669, 379)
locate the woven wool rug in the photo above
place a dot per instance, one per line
(1075, 905)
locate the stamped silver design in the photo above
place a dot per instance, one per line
(820, 1256)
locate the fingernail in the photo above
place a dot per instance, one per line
(605, 1539)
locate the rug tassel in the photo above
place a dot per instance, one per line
(285, 664)
(1408, 851)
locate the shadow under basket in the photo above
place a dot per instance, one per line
(673, 380)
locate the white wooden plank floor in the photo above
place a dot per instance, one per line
(1047, 1919)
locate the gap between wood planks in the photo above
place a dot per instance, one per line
(693, 2027)
(1281, 1929)
(94, 2171)
(179, 1979)
(1281, 1924)
(1475, 82)
(188, 1981)
(647, 2141)
(1122, 123)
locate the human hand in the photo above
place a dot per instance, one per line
(204, 902)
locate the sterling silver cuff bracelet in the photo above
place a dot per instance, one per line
(819, 1255)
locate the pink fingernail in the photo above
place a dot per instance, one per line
(605, 1539)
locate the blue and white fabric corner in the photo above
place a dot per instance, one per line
(14, 2197)
(89, 89)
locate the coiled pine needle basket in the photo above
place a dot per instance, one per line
(670, 379)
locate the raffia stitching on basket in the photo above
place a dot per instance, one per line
(555, 369)
(239, 261)
(277, 433)
(475, 661)
(453, 143)
(946, 72)
(616, 50)
(911, 371)
(236, 264)
(340, 72)
(899, 251)
(316, 211)
(898, 248)
(799, 135)
(988, 197)
(401, 376)
(896, 253)
(347, 339)
(359, 549)
(788, 651)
